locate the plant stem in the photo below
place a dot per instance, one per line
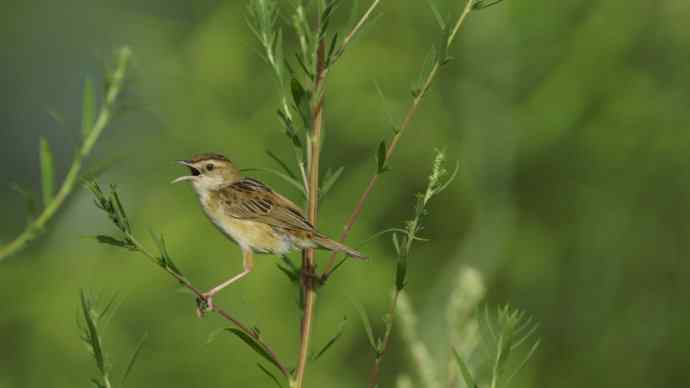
(411, 111)
(102, 121)
(308, 258)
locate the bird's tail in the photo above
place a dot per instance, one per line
(332, 245)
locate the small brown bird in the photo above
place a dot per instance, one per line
(257, 218)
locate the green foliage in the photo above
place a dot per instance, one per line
(381, 158)
(339, 332)
(52, 201)
(92, 324)
(366, 322)
(466, 374)
(482, 4)
(509, 330)
(405, 237)
(255, 345)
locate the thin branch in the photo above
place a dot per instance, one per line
(187, 284)
(412, 110)
(104, 117)
(359, 25)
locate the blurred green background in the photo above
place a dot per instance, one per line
(569, 120)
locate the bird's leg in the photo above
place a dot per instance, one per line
(206, 303)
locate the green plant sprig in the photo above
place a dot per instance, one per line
(437, 182)
(508, 330)
(385, 152)
(92, 130)
(111, 204)
(92, 322)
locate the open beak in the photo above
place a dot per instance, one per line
(195, 173)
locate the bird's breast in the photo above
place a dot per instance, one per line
(249, 235)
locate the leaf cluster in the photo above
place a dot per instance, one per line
(508, 330)
(109, 202)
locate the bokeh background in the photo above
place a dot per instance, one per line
(568, 118)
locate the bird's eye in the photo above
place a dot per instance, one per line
(209, 167)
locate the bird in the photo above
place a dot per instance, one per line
(250, 213)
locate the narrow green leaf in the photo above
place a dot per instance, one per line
(331, 49)
(290, 130)
(437, 14)
(133, 359)
(522, 364)
(333, 340)
(466, 375)
(338, 265)
(330, 180)
(381, 157)
(396, 243)
(483, 4)
(443, 44)
(47, 172)
(291, 275)
(88, 107)
(257, 347)
(270, 375)
(367, 326)
(91, 335)
(165, 260)
(281, 163)
(302, 100)
(109, 240)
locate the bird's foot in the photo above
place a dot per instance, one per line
(204, 304)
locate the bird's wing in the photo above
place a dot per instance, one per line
(250, 199)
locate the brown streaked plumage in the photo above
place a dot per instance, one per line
(252, 214)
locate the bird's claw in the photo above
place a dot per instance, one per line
(204, 304)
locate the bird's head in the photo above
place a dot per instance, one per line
(209, 172)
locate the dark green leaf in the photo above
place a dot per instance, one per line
(91, 335)
(331, 49)
(302, 101)
(134, 357)
(47, 172)
(381, 157)
(482, 4)
(292, 276)
(257, 347)
(109, 240)
(88, 107)
(270, 375)
(165, 260)
(290, 130)
(338, 334)
(466, 375)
